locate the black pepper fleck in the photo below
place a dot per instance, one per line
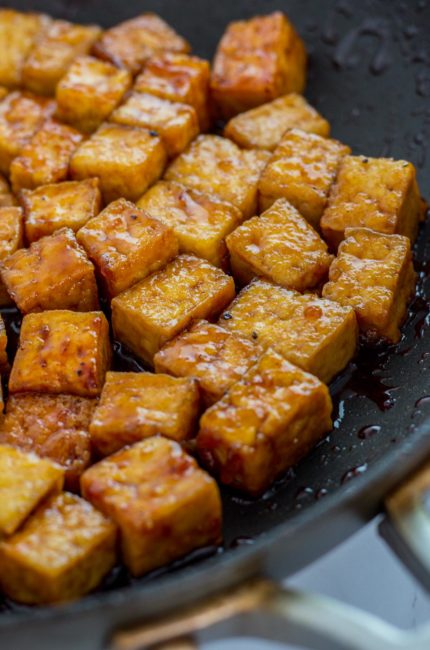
(79, 373)
(254, 335)
(153, 133)
(227, 316)
(133, 216)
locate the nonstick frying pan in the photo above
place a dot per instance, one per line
(370, 77)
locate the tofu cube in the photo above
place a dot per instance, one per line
(210, 354)
(25, 479)
(200, 222)
(63, 551)
(374, 274)
(126, 160)
(164, 505)
(217, 167)
(263, 127)
(256, 61)
(3, 92)
(62, 352)
(4, 362)
(11, 239)
(302, 169)
(7, 199)
(264, 424)
(159, 307)
(89, 91)
(377, 193)
(280, 246)
(320, 336)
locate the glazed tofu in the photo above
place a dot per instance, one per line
(138, 405)
(176, 123)
(126, 160)
(89, 91)
(319, 336)
(377, 193)
(25, 479)
(256, 61)
(62, 552)
(200, 222)
(62, 205)
(374, 274)
(11, 239)
(263, 127)
(54, 52)
(302, 170)
(131, 43)
(213, 356)
(52, 426)
(281, 246)
(217, 167)
(4, 363)
(54, 273)
(163, 504)
(161, 306)
(62, 352)
(7, 199)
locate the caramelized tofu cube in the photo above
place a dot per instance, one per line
(302, 170)
(62, 352)
(319, 336)
(131, 43)
(11, 239)
(25, 480)
(89, 91)
(213, 356)
(4, 363)
(159, 307)
(63, 551)
(216, 166)
(280, 246)
(200, 222)
(7, 199)
(374, 275)
(256, 61)
(377, 193)
(163, 504)
(126, 160)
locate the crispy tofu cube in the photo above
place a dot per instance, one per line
(319, 336)
(263, 127)
(52, 426)
(159, 307)
(4, 363)
(126, 245)
(25, 479)
(11, 239)
(63, 551)
(164, 505)
(131, 43)
(200, 222)
(89, 91)
(54, 273)
(256, 61)
(216, 166)
(62, 352)
(126, 160)
(374, 275)
(7, 199)
(377, 193)
(280, 246)
(210, 354)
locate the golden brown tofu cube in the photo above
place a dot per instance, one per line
(126, 160)
(52, 426)
(131, 43)
(200, 222)
(158, 308)
(263, 127)
(216, 166)
(4, 363)
(89, 91)
(257, 60)
(377, 193)
(25, 479)
(213, 356)
(374, 274)
(54, 273)
(319, 336)
(7, 199)
(163, 504)
(126, 245)
(63, 551)
(62, 352)
(11, 239)
(281, 246)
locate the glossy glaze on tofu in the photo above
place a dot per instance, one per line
(7, 199)
(11, 239)
(4, 362)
